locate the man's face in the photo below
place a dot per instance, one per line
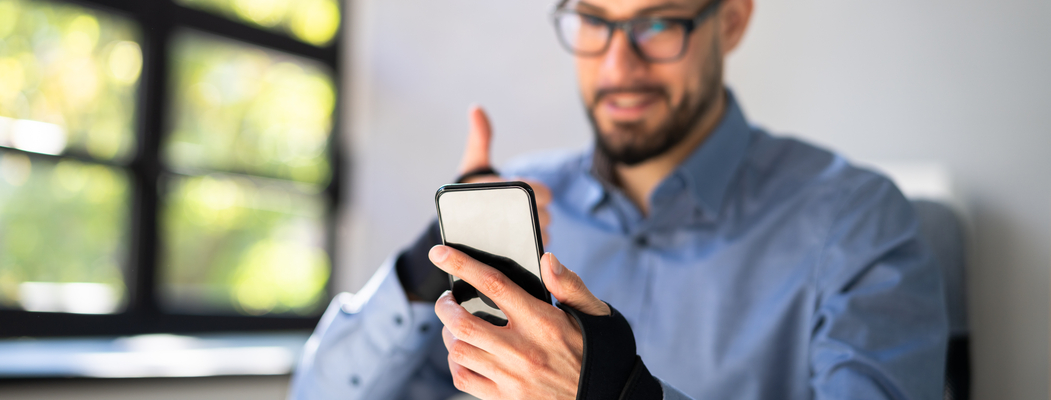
(641, 109)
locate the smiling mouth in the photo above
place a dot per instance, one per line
(629, 106)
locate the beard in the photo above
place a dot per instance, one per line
(639, 144)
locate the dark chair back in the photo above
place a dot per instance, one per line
(944, 232)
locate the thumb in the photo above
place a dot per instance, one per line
(568, 289)
(476, 153)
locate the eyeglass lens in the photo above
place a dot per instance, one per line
(657, 39)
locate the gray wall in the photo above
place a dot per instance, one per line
(964, 83)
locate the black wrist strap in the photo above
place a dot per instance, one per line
(478, 172)
(641, 384)
(610, 367)
(417, 274)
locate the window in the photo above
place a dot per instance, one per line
(180, 178)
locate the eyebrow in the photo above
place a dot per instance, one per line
(647, 10)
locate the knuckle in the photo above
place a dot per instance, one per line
(460, 378)
(575, 285)
(463, 329)
(456, 262)
(494, 283)
(457, 352)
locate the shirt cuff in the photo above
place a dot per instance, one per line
(367, 344)
(671, 393)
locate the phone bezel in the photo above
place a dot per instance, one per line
(537, 239)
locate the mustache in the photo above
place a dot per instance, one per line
(641, 89)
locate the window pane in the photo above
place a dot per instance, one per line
(312, 21)
(245, 245)
(241, 108)
(63, 235)
(68, 79)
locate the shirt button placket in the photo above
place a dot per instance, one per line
(647, 261)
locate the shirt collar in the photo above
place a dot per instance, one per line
(710, 169)
(706, 173)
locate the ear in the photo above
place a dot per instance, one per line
(734, 16)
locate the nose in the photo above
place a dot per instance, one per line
(621, 63)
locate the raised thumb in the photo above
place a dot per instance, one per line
(476, 152)
(568, 288)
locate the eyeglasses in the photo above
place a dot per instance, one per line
(655, 39)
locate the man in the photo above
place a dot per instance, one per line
(730, 264)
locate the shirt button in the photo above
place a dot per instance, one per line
(425, 327)
(354, 380)
(397, 320)
(641, 241)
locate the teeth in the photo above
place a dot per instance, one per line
(628, 102)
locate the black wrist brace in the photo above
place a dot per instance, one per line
(611, 369)
(419, 277)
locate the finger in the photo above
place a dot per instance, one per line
(540, 191)
(476, 151)
(568, 288)
(467, 327)
(467, 355)
(543, 218)
(470, 382)
(511, 298)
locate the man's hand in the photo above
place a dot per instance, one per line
(476, 157)
(537, 355)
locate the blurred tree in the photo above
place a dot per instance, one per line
(243, 230)
(241, 108)
(243, 213)
(311, 21)
(71, 72)
(64, 222)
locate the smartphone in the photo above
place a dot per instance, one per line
(496, 224)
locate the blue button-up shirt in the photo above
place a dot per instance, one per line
(767, 268)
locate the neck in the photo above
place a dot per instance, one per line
(639, 181)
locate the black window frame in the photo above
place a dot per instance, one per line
(159, 21)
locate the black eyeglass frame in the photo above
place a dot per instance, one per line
(689, 26)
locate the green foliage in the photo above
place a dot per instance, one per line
(64, 222)
(245, 244)
(243, 109)
(73, 67)
(241, 225)
(312, 21)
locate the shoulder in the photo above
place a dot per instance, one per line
(857, 214)
(786, 167)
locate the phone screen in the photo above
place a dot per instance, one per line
(496, 224)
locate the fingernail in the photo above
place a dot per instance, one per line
(438, 253)
(556, 266)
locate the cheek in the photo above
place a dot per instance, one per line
(682, 79)
(587, 77)
(676, 79)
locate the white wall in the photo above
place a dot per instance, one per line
(965, 83)
(215, 388)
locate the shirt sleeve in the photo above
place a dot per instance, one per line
(880, 326)
(671, 393)
(367, 345)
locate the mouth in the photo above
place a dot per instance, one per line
(628, 106)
